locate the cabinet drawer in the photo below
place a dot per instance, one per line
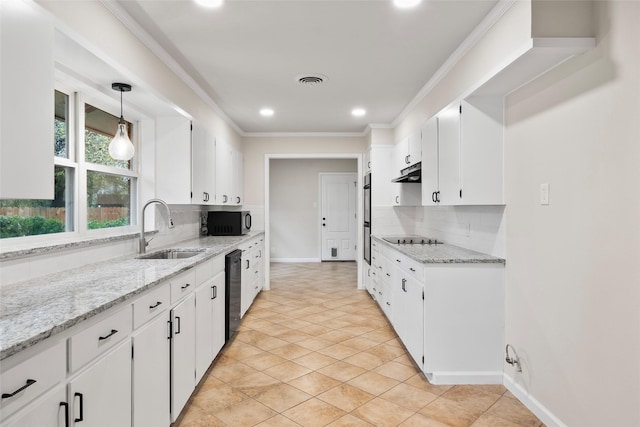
(182, 285)
(31, 378)
(409, 266)
(149, 305)
(96, 339)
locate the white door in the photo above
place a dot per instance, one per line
(338, 216)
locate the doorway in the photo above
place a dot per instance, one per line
(338, 231)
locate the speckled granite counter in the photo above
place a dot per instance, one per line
(441, 254)
(33, 310)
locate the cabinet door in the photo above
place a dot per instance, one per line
(204, 328)
(367, 161)
(414, 148)
(101, 395)
(203, 162)
(150, 374)
(173, 160)
(219, 313)
(182, 354)
(449, 155)
(400, 156)
(224, 159)
(247, 280)
(430, 162)
(481, 151)
(237, 192)
(27, 102)
(48, 411)
(410, 319)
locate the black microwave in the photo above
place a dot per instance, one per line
(228, 223)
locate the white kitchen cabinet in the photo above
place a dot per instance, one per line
(430, 162)
(449, 190)
(237, 184)
(150, 373)
(100, 395)
(203, 163)
(182, 354)
(207, 323)
(381, 174)
(366, 162)
(464, 323)
(224, 168)
(31, 378)
(466, 139)
(408, 151)
(173, 159)
(27, 103)
(409, 322)
(50, 410)
(252, 276)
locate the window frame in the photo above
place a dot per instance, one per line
(78, 95)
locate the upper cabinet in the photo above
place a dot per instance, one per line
(463, 154)
(229, 172)
(408, 151)
(173, 159)
(26, 123)
(203, 185)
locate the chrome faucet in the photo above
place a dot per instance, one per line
(142, 242)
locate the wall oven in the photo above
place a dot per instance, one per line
(367, 218)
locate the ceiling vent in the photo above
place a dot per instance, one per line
(311, 79)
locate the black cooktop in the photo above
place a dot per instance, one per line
(411, 240)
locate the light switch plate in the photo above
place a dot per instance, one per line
(544, 194)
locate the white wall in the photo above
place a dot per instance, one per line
(573, 267)
(255, 149)
(294, 205)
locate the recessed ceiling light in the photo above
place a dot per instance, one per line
(267, 112)
(210, 3)
(404, 4)
(358, 112)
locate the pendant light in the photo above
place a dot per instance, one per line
(121, 147)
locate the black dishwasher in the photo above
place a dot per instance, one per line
(232, 281)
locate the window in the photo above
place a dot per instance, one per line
(20, 218)
(109, 181)
(81, 162)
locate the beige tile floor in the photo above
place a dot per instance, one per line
(315, 351)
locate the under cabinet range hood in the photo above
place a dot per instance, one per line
(411, 174)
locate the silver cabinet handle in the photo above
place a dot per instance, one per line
(404, 285)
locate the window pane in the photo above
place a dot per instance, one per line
(100, 127)
(30, 217)
(61, 125)
(108, 200)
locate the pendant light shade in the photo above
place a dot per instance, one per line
(121, 147)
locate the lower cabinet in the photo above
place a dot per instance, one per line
(252, 272)
(464, 323)
(409, 315)
(49, 411)
(450, 317)
(100, 395)
(209, 324)
(183, 338)
(150, 375)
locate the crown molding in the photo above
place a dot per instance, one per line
(474, 37)
(146, 39)
(306, 134)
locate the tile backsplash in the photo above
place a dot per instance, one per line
(480, 228)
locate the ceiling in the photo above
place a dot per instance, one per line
(247, 55)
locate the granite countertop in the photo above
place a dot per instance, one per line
(441, 253)
(34, 310)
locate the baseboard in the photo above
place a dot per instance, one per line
(296, 260)
(479, 377)
(530, 402)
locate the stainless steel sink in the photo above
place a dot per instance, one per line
(172, 254)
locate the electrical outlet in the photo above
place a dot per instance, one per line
(544, 194)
